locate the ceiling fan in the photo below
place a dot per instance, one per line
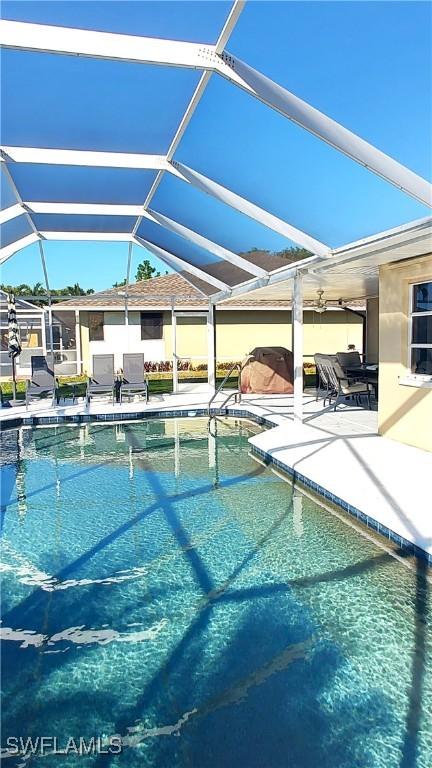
(320, 305)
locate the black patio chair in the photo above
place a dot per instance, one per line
(343, 385)
(349, 359)
(134, 380)
(324, 384)
(102, 380)
(42, 382)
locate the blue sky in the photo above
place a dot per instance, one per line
(368, 65)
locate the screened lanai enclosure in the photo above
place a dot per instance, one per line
(207, 578)
(180, 131)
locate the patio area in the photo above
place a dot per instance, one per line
(338, 455)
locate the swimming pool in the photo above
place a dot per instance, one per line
(161, 587)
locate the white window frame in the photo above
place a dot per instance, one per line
(420, 377)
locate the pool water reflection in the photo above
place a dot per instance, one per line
(161, 586)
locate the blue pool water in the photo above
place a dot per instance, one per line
(161, 586)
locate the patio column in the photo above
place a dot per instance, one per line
(297, 339)
(78, 341)
(211, 346)
(174, 350)
(50, 329)
(45, 271)
(126, 320)
(44, 339)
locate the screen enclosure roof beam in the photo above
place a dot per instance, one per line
(105, 45)
(9, 250)
(244, 206)
(203, 242)
(175, 262)
(84, 158)
(324, 127)
(204, 80)
(11, 213)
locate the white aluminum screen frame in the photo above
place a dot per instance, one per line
(209, 59)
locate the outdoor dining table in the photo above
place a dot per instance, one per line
(365, 372)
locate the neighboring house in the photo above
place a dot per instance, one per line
(146, 325)
(31, 322)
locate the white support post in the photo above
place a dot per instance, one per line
(126, 319)
(211, 347)
(297, 337)
(78, 341)
(128, 269)
(174, 353)
(51, 337)
(45, 271)
(44, 340)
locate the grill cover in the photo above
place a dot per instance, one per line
(268, 371)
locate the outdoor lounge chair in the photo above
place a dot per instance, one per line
(42, 382)
(134, 381)
(342, 385)
(102, 380)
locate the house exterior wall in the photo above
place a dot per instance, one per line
(119, 338)
(191, 335)
(237, 333)
(404, 412)
(372, 330)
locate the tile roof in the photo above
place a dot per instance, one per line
(173, 289)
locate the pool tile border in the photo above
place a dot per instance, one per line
(85, 418)
(407, 546)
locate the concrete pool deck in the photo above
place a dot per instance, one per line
(379, 481)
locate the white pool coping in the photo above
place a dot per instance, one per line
(340, 452)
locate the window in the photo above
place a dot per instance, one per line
(151, 325)
(96, 326)
(421, 329)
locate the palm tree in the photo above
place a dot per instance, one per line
(37, 290)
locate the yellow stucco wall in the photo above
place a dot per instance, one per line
(404, 412)
(191, 337)
(239, 331)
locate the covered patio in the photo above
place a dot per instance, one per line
(62, 183)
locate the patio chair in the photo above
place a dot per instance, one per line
(102, 380)
(343, 385)
(349, 359)
(42, 382)
(324, 383)
(134, 381)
